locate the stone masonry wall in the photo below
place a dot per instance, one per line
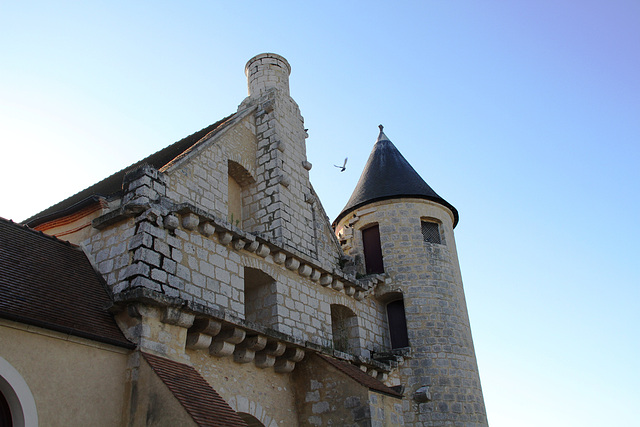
(181, 255)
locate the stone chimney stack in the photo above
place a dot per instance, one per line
(266, 71)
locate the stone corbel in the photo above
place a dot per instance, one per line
(305, 270)
(190, 221)
(326, 279)
(238, 244)
(287, 362)
(292, 263)
(171, 222)
(279, 257)
(382, 376)
(285, 180)
(253, 246)
(315, 275)
(225, 342)
(267, 357)
(245, 351)
(201, 334)
(263, 250)
(207, 229)
(224, 237)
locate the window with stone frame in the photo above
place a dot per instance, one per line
(372, 250)
(431, 231)
(397, 323)
(344, 329)
(260, 297)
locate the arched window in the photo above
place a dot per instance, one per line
(397, 324)
(16, 398)
(344, 328)
(250, 420)
(372, 250)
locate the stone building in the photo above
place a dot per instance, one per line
(205, 285)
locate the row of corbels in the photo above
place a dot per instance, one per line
(244, 241)
(223, 340)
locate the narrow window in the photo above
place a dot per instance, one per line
(372, 250)
(239, 180)
(397, 324)
(235, 202)
(431, 232)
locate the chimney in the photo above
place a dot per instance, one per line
(266, 71)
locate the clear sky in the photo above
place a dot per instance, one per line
(525, 115)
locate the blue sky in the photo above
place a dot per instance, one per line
(525, 115)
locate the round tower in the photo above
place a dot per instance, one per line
(398, 226)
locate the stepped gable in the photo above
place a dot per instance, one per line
(51, 284)
(112, 185)
(203, 403)
(388, 175)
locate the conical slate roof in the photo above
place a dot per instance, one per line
(388, 175)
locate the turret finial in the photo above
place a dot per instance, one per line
(381, 127)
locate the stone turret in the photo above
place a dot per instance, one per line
(266, 71)
(403, 230)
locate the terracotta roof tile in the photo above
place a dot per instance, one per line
(194, 393)
(361, 377)
(50, 283)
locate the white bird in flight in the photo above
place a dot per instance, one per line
(344, 165)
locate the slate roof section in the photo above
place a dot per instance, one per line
(388, 175)
(202, 402)
(112, 185)
(51, 284)
(361, 377)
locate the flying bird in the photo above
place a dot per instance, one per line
(344, 165)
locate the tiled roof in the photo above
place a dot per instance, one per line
(194, 393)
(388, 175)
(361, 377)
(112, 185)
(50, 283)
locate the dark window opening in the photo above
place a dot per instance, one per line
(5, 412)
(431, 232)
(260, 297)
(344, 328)
(397, 324)
(372, 250)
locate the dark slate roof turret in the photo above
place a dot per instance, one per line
(388, 175)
